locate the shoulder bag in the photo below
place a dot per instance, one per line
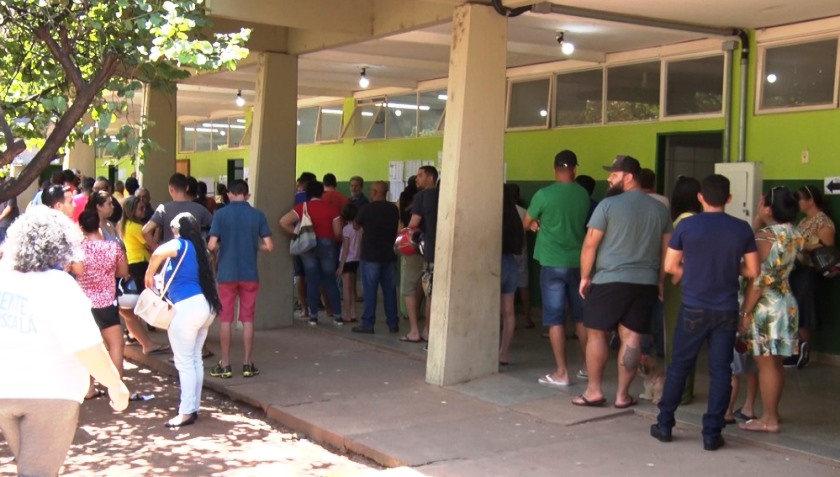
(155, 309)
(304, 238)
(826, 261)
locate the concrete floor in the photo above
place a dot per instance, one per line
(366, 394)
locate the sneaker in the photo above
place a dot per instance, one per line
(790, 361)
(220, 371)
(250, 370)
(338, 321)
(581, 374)
(804, 355)
(313, 321)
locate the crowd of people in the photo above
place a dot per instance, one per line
(746, 291)
(83, 241)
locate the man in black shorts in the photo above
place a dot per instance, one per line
(627, 235)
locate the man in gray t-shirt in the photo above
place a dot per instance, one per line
(164, 213)
(621, 277)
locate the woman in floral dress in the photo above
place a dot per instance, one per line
(770, 317)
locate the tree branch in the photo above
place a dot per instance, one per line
(72, 70)
(13, 147)
(109, 67)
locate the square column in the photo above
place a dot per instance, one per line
(272, 180)
(464, 341)
(160, 109)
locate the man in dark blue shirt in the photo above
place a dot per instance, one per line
(705, 252)
(240, 232)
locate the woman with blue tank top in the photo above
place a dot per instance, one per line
(196, 299)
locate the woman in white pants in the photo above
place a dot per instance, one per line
(193, 291)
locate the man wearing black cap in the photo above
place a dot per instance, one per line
(621, 277)
(558, 215)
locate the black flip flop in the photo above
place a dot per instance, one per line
(406, 339)
(632, 402)
(99, 393)
(588, 403)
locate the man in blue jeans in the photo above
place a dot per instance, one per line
(705, 252)
(380, 220)
(558, 215)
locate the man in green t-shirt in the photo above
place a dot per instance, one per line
(558, 215)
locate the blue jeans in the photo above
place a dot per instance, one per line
(319, 266)
(556, 285)
(374, 275)
(694, 327)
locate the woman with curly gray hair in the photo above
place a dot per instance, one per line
(47, 324)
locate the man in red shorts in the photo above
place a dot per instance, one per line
(239, 231)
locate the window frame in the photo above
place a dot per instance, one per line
(318, 139)
(639, 61)
(725, 93)
(554, 90)
(196, 123)
(760, 75)
(548, 107)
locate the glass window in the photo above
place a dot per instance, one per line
(633, 92)
(330, 122)
(528, 103)
(307, 120)
(188, 137)
(218, 130)
(203, 138)
(368, 121)
(236, 132)
(401, 113)
(431, 106)
(580, 98)
(694, 86)
(799, 75)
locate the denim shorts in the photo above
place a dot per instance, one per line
(510, 275)
(560, 286)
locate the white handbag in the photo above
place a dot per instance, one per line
(155, 309)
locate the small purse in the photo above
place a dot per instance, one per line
(826, 261)
(304, 239)
(155, 309)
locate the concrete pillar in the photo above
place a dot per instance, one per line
(81, 157)
(158, 166)
(272, 180)
(464, 332)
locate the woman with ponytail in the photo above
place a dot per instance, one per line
(193, 291)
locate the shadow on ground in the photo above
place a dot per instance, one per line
(228, 439)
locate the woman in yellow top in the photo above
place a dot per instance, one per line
(137, 253)
(818, 231)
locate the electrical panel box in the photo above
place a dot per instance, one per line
(745, 182)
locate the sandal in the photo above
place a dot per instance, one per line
(583, 401)
(96, 394)
(160, 350)
(755, 425)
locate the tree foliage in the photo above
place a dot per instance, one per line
(67, 59)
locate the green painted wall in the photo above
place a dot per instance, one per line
(213, 163)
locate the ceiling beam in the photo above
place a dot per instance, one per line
(352, 17)
(331, 57)
(263, 37)
(396, 16)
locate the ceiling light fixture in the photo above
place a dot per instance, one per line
(240, 101)
(364, 82)
(566, 47)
